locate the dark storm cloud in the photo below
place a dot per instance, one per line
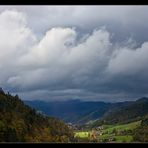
(67, 52)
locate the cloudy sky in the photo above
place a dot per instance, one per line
(74, 52)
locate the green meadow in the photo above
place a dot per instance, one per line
(118, 133)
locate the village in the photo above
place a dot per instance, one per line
(100, 134)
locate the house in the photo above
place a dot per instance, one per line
(99, 128)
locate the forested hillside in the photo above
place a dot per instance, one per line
(20, 123)
(133, 111)
(141, 133)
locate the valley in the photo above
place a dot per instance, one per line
(91, 121)
(100, 121)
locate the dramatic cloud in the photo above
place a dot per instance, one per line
(122, 21)
(60, 61)
(15, 38)
(132, 60)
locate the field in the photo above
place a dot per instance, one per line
(118, 138)
(129, 126)
(82, 134)
(115, 133)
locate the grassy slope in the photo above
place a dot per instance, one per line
(118, 138)
(82, 134)
(129, 126)
(108, 132)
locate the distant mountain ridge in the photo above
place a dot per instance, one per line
(73, 111)
(78, 112)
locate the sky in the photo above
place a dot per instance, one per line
(95, 53)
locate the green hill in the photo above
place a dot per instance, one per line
(134, 111)
(20, 123)
(130, 112)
